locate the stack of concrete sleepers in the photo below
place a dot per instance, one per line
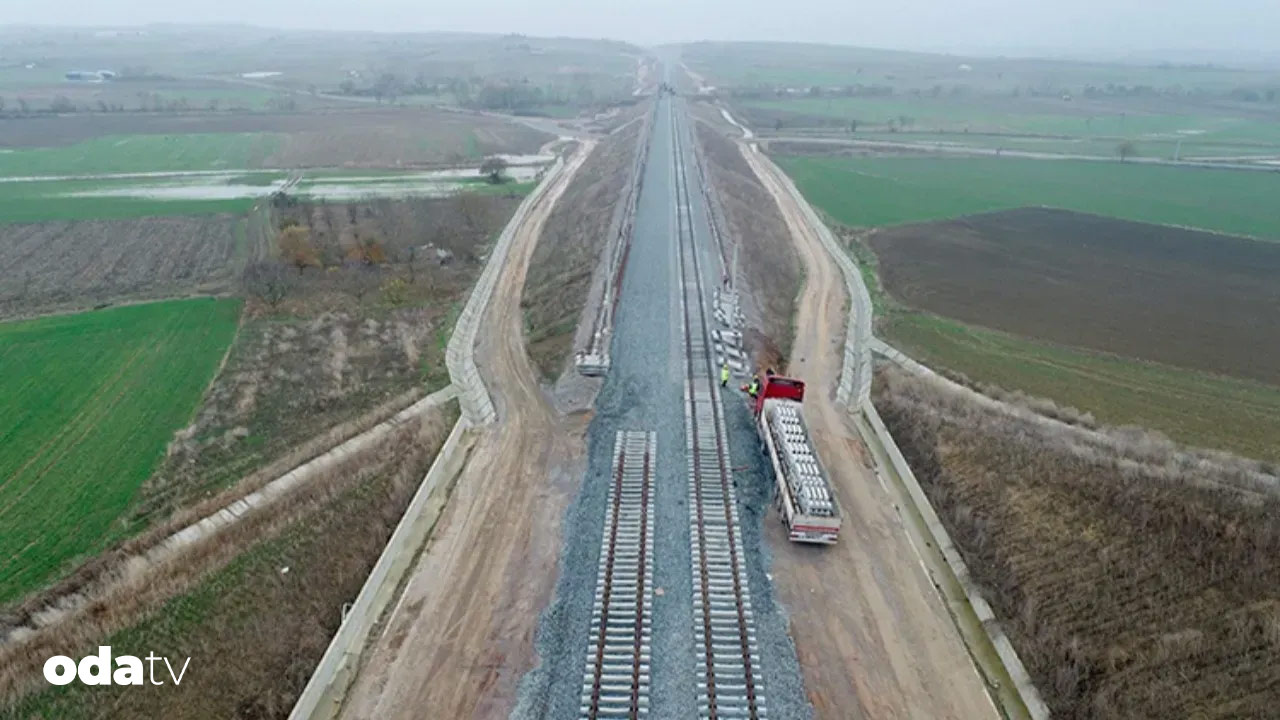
(800, 465)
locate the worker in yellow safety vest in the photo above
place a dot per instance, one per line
(724, 375)
(754, 388)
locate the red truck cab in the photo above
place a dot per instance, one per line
(776, 386)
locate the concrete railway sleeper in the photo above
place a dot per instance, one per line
(616, 681)
(728, 663)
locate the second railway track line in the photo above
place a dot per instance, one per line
(728, 662)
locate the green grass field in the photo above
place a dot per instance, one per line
(1192, 407)
(889, 191)
(144, 153)
(1096, 147)
(91, 401)
(948, 115)
(800, 65)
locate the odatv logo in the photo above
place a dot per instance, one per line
(96, 669)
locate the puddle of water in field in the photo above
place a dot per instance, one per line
(340, 191)
(231, 185)
(528, 159)
(520, 173)
(232, 191)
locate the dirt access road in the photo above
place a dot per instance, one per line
(873, 638)
(462, 634)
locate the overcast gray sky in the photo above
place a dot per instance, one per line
(1113, 26)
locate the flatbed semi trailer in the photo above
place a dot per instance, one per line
(802, 492)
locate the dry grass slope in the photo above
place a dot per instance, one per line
(768, 262)
(1182, 297)
(1135, 581)
(576, 232)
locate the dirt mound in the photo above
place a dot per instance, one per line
(1183, 297)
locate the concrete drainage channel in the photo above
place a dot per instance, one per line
(326, 690)
(1007, 679)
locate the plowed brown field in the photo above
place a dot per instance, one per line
(1183, 297)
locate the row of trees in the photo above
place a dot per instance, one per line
(520, 95)
(146, 102)
(360, 271)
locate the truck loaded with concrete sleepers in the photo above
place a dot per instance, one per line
(802, 491)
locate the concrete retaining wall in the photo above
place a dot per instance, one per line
(473, 396)
(326, 690)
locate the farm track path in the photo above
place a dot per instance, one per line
(872, 635)
(462, 634)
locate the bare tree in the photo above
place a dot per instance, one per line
(493, 167)
(1126, 150)
(410, 256)
(368, 250)
(296, 247)
(269, 281)
(474, 210)
(357, 278)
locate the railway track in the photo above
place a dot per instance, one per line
(728, 662)
(616, 681)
